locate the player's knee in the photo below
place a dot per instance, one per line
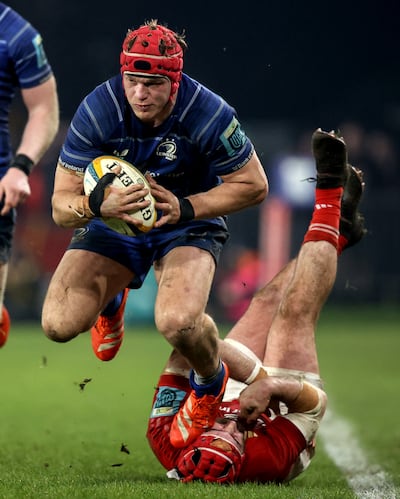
(52, 333)
(59, 332)
(176, 326)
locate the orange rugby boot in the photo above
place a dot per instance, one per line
(108, 332)
(197, 414)
(4, 326)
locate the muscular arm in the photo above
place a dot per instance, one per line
(244, 188)
(299, 396)
(71, 206)
(41, 103)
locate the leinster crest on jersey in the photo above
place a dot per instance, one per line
(167, 149)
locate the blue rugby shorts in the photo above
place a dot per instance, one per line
(138, 253)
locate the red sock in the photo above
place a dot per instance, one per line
(324, 224)
(342, 244)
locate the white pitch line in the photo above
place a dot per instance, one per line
(367, 480)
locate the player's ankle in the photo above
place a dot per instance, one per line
(208, 386)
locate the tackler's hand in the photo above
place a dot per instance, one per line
(254, 399)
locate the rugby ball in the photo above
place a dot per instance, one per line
(127, 176)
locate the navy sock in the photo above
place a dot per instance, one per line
(208, 386)
(113, 306)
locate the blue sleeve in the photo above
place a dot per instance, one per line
(26, 51)
(232, 149)
(96, 118)
(218, 132)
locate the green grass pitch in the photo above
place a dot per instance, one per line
(73, 427)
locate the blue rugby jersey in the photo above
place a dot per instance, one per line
(23, 64)
(201, 140)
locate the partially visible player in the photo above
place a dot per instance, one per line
(266, 432)
(23, 65)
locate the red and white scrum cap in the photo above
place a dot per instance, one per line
(153, 50)
(202, 461)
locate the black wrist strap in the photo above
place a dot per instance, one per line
(187, 211)
(23, 162)
(96, 197)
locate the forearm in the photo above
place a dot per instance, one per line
(71, 210)
(38, 135)
(307, 397)
(307, 411)
(225, 199)
(70, 206)
(299, 396)
(41, 126)
(246, 187)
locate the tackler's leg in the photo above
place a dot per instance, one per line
(291, 341)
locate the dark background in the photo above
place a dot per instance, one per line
(313, 62)
(287, 67)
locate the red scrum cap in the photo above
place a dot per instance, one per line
(202, 461)
(153, 49)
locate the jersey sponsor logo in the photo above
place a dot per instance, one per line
(68, 166)
(167, 402)
(41, 58)
(233, 138)
(167, 150)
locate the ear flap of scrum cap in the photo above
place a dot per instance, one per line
(208, 464)
(154, 50)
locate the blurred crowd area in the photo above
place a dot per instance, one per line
(368, 273)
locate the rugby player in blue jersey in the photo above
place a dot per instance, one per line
(24, 66)
(202, 166)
